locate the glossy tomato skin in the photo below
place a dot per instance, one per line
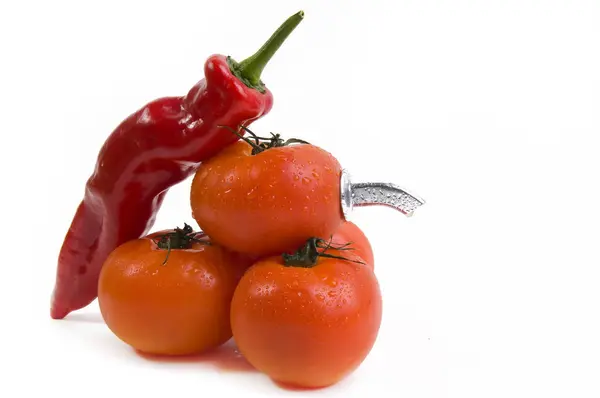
(179, 308)
(349, 232)
(306, 327)
(268, 203)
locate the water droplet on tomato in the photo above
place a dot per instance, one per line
(296, 177)
(315, 174)
(333, 282)
(320, 297)
(331, 293)
(295, 283)
(306, 180)
(252, 193)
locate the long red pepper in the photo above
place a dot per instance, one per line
(153, 149)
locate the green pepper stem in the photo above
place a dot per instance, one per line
(250, 69)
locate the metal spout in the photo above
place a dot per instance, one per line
(376, 194)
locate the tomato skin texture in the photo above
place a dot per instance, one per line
(268, 203)
(360, 244)
(306, 327)
(178, 308)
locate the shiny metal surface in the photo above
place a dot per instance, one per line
(376, 194)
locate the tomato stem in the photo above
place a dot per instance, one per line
(306, 256)
(180, 238)
(261, 144)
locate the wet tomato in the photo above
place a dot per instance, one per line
(306, 320)
(350, 233)
(267, 202)
(170, 292)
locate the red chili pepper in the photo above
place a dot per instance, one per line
(153, 149)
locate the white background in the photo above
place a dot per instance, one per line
(487, 109)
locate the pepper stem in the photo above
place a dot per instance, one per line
(250, 69)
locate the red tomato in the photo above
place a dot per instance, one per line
(268, 203)
(307, 326)
(176, 308)
(359, 243)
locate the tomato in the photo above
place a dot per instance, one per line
(176, 308)
(307, 325)
(269, 202)
(349, 232)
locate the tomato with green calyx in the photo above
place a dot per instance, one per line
(264, 198)
(351, 235)
(307, 319)
(170, 292)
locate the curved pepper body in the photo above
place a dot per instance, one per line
(155, 148)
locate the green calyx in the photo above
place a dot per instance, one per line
(179, 238)
(250, 69)
(307, 255)
(261, 144)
